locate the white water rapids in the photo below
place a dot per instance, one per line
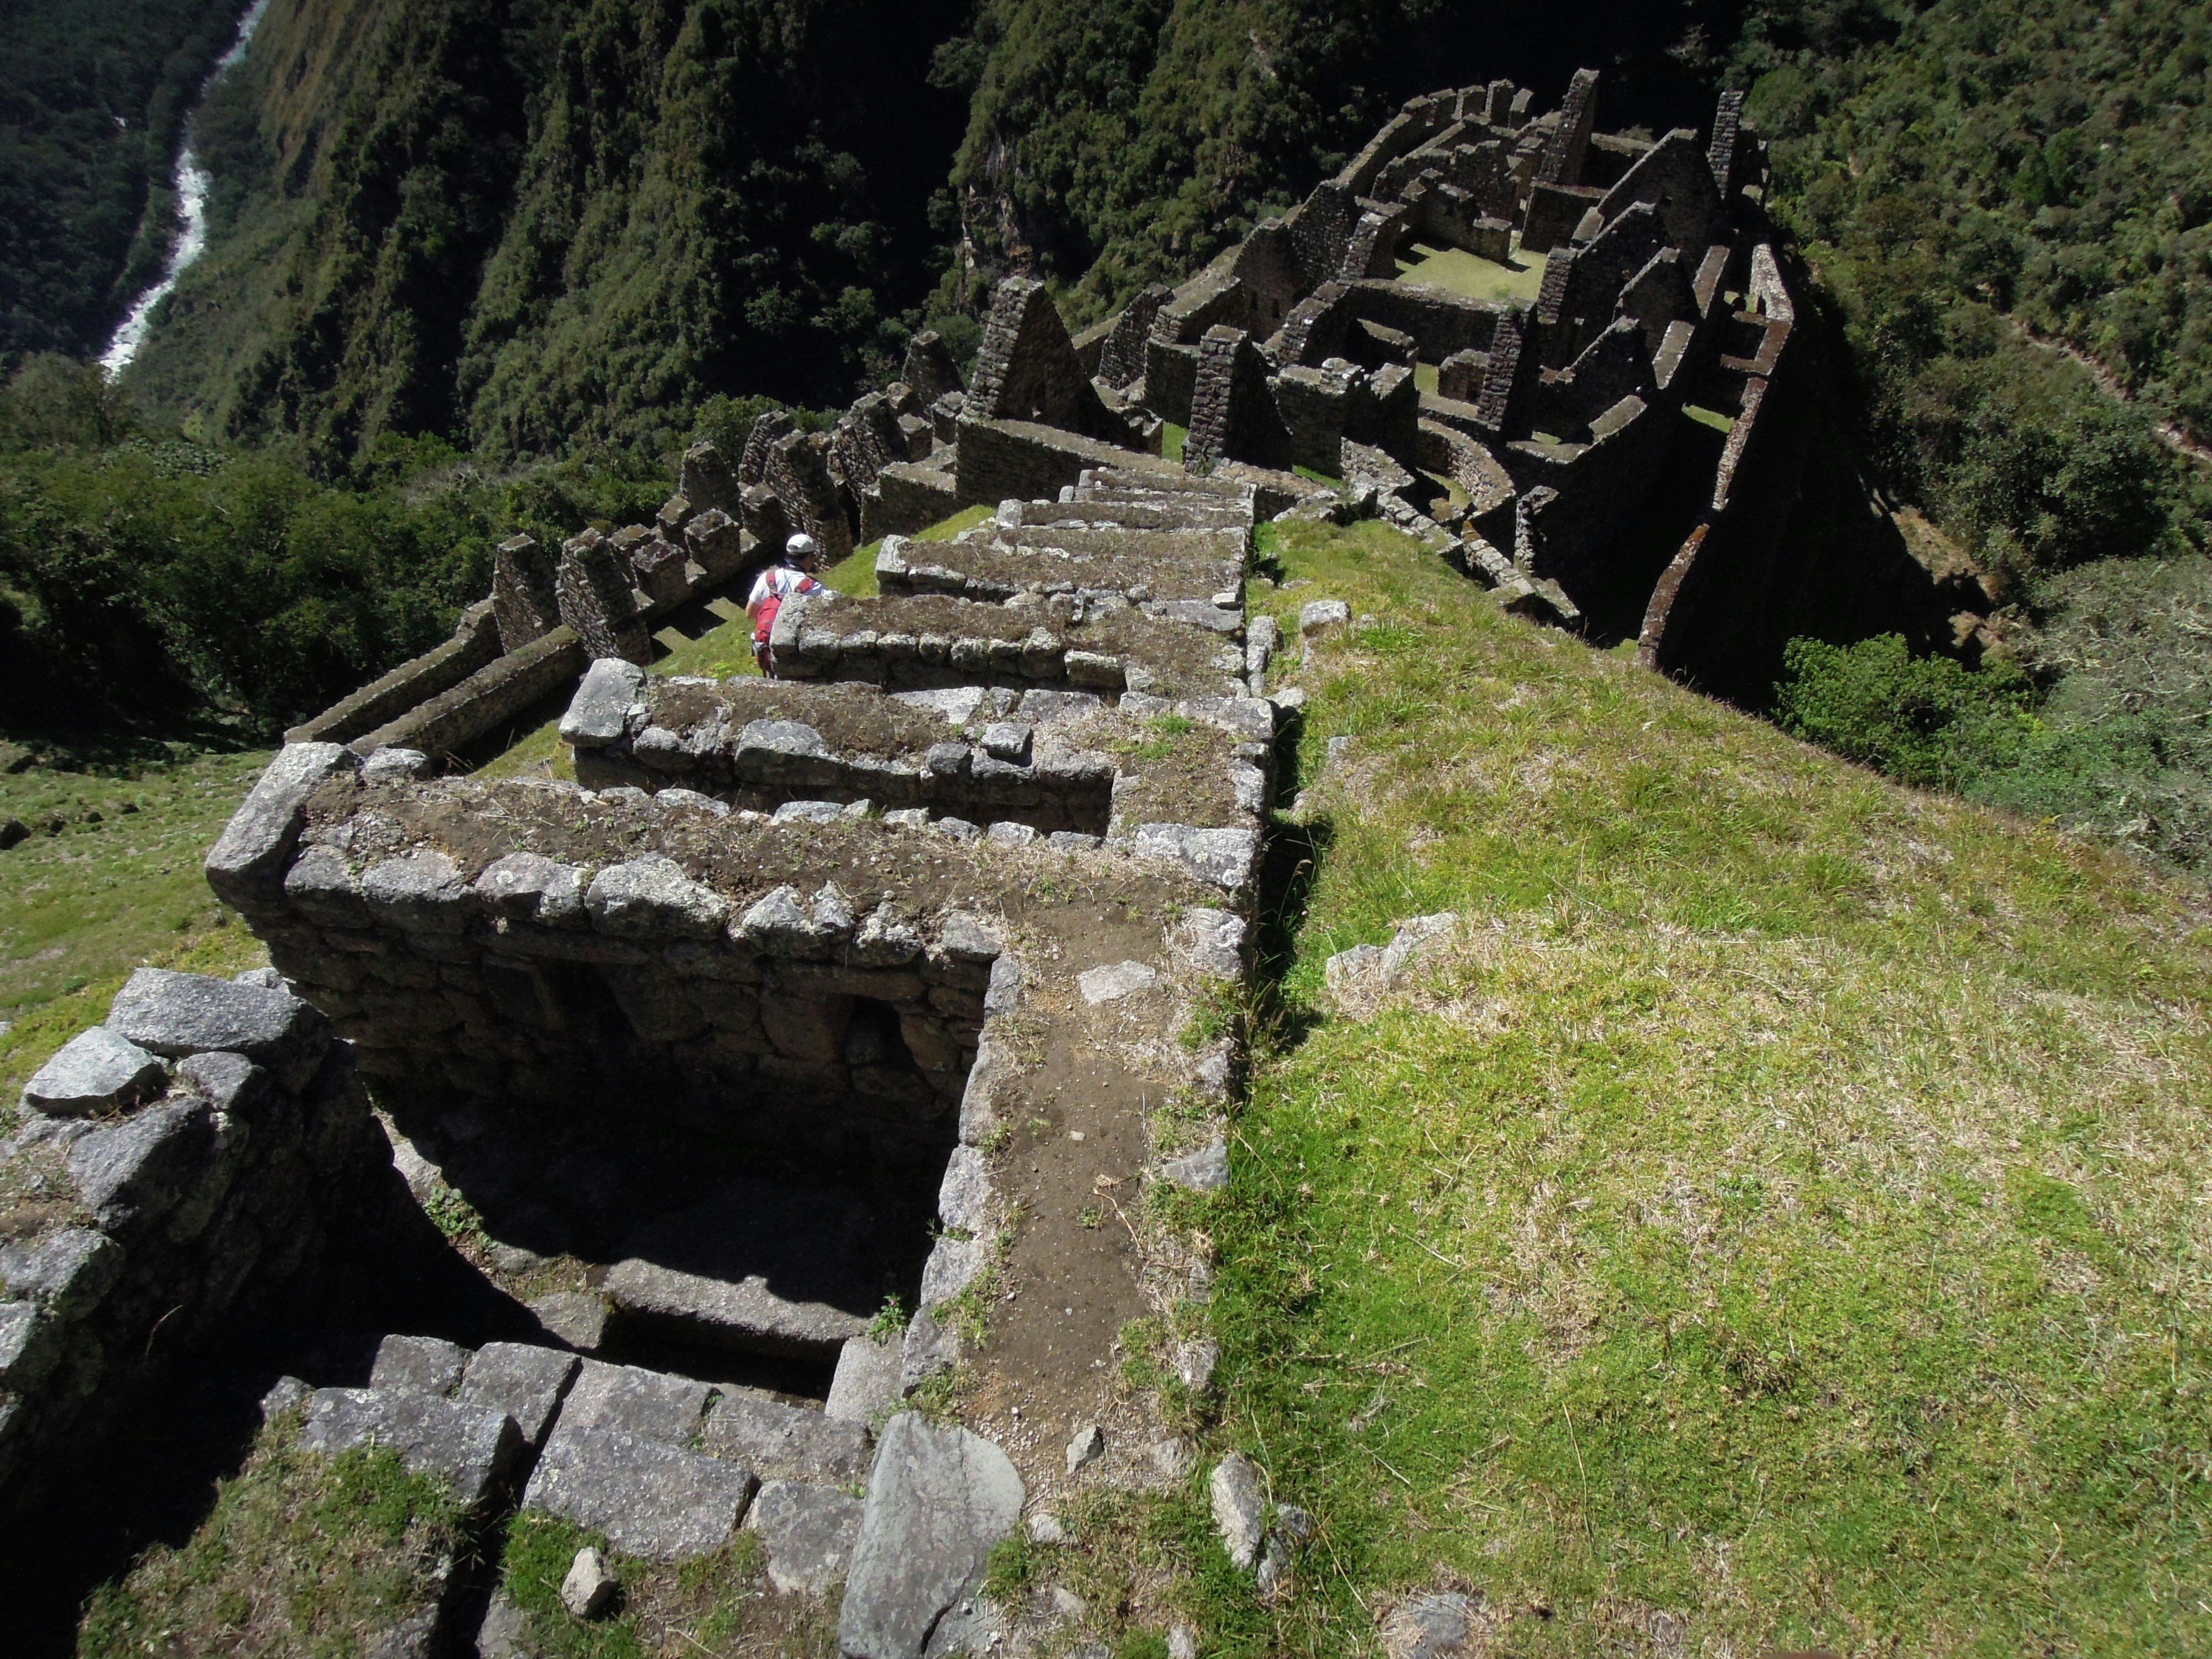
(192, 204)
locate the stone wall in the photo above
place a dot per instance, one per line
(1021, 460)
(610, 984)
(198, 1153)
(475, 642)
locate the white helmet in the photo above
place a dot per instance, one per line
(801, 547)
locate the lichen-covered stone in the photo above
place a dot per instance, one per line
(649, 1498)
(597, 713)
(245, 866)
(525, 1382)
(652, 898)
(177, 1014)
(95, 1071)
(468, 1447)
(786, 1442)
(809, 1534)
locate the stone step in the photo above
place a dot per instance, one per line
(470, 1447)
(1141, 512)
(759, 1266)
(1041, 561)
(649, 1498)
(1115, 478)
(923, 640)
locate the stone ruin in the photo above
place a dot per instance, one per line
(882, 983)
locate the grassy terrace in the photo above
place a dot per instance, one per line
(1478, 278)
(116, 884)
(1777, 1217)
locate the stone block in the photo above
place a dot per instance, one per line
(420, 890)
(786, 1442)
(660, 574)
(320, 886)
(598, 713)
(867, 1381)
(30, 1344)
(525, 1382)
(1205, 1171)
(1240, 1508)
(938, 1501)
(70, 1270)
(1209, 941)
(652, 898)
(468, 1447)
(177, 1014)
(1116, 981)
(245, 866)
(96, 1071)
(636, 1402)
(427, 1364)
(1224, 857)
(576, 1317)
(809, 1534)
(717, 541)
(649, 1498)
(134, 1173)
(531, 887)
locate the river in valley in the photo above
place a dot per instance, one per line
(191, 190)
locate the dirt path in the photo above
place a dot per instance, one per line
(2176, 438)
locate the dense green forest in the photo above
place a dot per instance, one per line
(525, 225)
(146, 580)
(2004, 202)
(92, 95)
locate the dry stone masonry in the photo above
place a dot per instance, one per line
(823, 998)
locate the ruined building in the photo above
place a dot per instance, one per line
(882, 983)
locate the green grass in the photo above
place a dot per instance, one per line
(712, 1604)
(1478, 278)
(79, 910)
(1780, 1209)
(1172, 439)
(301, 1554)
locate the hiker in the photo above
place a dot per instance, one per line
(776, 584)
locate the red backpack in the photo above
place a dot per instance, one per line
(764, 624)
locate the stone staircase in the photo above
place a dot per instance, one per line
(849, 920)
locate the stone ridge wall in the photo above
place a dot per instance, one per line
(1708, 612)
(558, 986)
(475, 642)
(1018, 774)
(212, 1142)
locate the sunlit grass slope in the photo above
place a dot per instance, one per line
(117, 883)
(1776, 1217)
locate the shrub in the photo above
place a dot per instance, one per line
(1926, 720)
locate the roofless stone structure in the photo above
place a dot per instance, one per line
(869, 984)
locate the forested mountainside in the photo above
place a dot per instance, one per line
(2004, 203)
(529, 224)
(92, 94)
(1116, 143)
